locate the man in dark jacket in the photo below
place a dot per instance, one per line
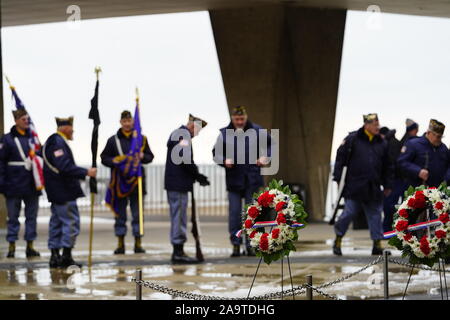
(412, 128)
(17, 183)
(365, 155)
(426, 160)
(243, 171)
(180, 174)
(62, 183)
(119, 145)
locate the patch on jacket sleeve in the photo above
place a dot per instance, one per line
(58, 153)
(1, 145)
(343, 142)
(403, 150)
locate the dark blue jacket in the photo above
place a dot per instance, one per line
(180, 177)
(64, 185)
(15, 181)
(420, 154)
(247, 175)
(111, 151)
(368, 166)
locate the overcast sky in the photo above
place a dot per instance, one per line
(400, 70)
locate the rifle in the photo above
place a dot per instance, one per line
(196, 230)
(336, 206)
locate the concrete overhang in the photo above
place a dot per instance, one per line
(23, 12)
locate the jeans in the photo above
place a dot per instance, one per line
(13, 205)
(120, 225)
(372, 210)
(64, 225)
(178, 202)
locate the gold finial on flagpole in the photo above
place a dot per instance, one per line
(137, 94)
(9, 82)
(97, 70)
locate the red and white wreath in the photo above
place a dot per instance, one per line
(290, 215)
(431, 245)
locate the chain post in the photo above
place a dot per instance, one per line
(138, 284)
(386, 274)
(309, 291)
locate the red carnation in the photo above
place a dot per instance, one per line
(424, 245)
(401, 225)
(264, 242)
(444, 217)
(403, 213)
(432, 188)
(280, 206)
(253, 212)
(412, 203)
(252, 235)
(407, 236)
(281, 218)
(439, 205)
(248, 224)
(440, 234)
(265, 199)
(275, 233)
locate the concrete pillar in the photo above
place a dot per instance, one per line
(283, 64)
(2, 126)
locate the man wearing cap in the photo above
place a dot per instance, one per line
(119, 145)
(17, 183)
(412, 128)
(426, 160)
(179, 177)
(365, 155)
(62, 183)
(243, 178)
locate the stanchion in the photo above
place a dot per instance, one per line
(138, 286)
(309, 291)
(386, 274)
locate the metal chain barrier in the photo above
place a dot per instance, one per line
(299, 290)
(416, 266)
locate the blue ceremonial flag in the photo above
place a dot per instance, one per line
(127, 167)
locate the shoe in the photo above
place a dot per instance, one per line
(67, 260)
(250, 252)
(55, 259)
(236, 251)
(138, 245)
(337, 246)
(377, 250)
(120, 246)
(30, 252)
(179, 257)
(11, 250)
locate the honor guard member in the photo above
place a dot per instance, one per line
(242, 179)
(426, 160)
(119, 145)
(62, 183)
(179, 177)
(365, 155)
(17, 183)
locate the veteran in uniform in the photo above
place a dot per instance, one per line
(180, 175)
(119, 145)
(242, 179)
(365, 154)
(17, 183)
(426, 160)
(62, 178)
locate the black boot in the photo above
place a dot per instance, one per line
(179, 257)
(30, 252)
(250, 252)
(337, 246)
(67, 260)
(138, 245)
(377, 250)
(120, 246)
(11, 250)
(55, 259)
(236, 251)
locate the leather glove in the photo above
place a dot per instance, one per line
(202, 179)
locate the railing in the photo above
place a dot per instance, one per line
(211, 200)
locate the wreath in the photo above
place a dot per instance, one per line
(289, 217)
(423, 209)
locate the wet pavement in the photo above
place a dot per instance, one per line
(220, 275)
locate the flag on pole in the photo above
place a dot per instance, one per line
(128, 168)
(35, 146)
(95, 116)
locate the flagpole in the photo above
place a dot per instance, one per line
(93, 192)
(141, 206)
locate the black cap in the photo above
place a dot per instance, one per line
(64, 121)
(239, 111)
(436, 127)
(125, 115)
(197, 119)
(371, 117)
